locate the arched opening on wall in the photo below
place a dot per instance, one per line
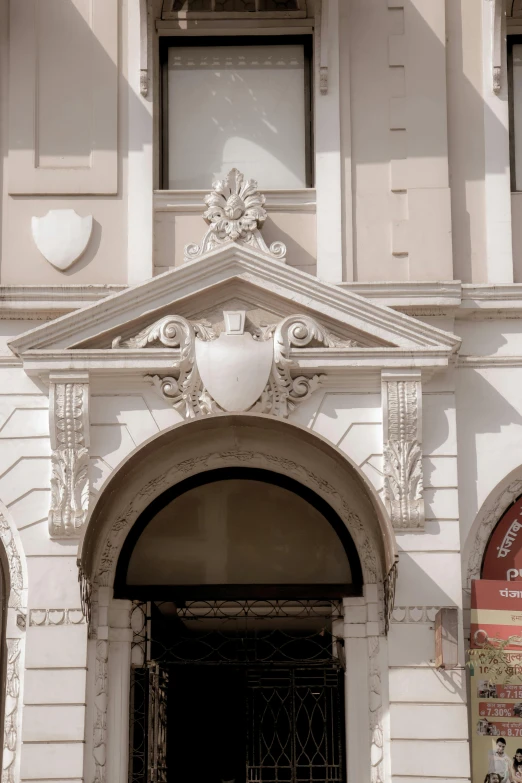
(237, 537)
(238, 533)
(238, 575)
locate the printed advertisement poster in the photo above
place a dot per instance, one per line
(496, 681)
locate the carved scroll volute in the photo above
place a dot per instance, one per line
(69, 430)
(402, 422)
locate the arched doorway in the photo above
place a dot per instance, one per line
(334, 593)
(239, 575)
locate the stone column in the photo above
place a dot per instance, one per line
(119, 660)
(357, 704)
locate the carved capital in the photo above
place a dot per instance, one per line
(403, 482)
(69, 425)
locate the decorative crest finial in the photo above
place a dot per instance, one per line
(235, 213)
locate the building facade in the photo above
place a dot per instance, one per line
(260, 381)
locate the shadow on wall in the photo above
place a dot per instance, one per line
(370, 144)
(489, 412)
(423, 147)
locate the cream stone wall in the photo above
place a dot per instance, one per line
(413, 89)
(423, 221)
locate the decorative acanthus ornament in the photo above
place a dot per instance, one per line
(235, 213)
(403, 484)
(237, 370)
(12, 697)
(69, 422)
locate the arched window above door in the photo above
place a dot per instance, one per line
(239, 533)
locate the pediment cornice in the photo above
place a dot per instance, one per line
(384, 334)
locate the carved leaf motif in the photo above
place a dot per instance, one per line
(100, 706)
(235, 213)
(12, 689)
(69, 490)
(403, 484)
(15, 566)
(282, 393)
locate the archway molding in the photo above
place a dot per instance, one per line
(12, 627)
(244, 440)
(265, 443)
(497, 502)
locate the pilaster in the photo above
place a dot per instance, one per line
(367, 737)
(402, 448)
(118, 691)
(328, 148)
(69, 430)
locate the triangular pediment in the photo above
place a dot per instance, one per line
(234, 277)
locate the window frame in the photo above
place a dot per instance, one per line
(304, 39)
(512, 40)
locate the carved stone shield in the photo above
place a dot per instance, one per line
(61, 236)
(235, 369)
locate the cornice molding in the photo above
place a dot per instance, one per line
(41, 301)
(191, 202)
(462, 300)
(160, 360)
(484, 362)
(236, 262)
(405, 294)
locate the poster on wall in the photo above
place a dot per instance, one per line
(496, 681)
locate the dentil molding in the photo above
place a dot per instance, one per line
(403, 480)
(69, 426)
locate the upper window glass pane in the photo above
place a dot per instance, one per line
(238, 531)
(236, 107)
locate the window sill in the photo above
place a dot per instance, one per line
(191, 201)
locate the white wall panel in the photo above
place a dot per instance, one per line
(418, 685)
(428, 579)
(429, 721)
(410, 644)
(51, 723)
(441, 759)
(63, 120)
(55, 686)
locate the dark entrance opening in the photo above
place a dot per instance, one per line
(238, 578)
(246, 694)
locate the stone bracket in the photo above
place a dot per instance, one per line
(402, 448)
(69, 430)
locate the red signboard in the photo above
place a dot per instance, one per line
(496, 616)
(503, 558)
(496, 676)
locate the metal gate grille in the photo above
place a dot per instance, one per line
(148, 727)
(294, 726)
(288, 681)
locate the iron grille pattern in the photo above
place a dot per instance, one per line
(292, 688)
(244, 633)
(294, 726)
(148, 725)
